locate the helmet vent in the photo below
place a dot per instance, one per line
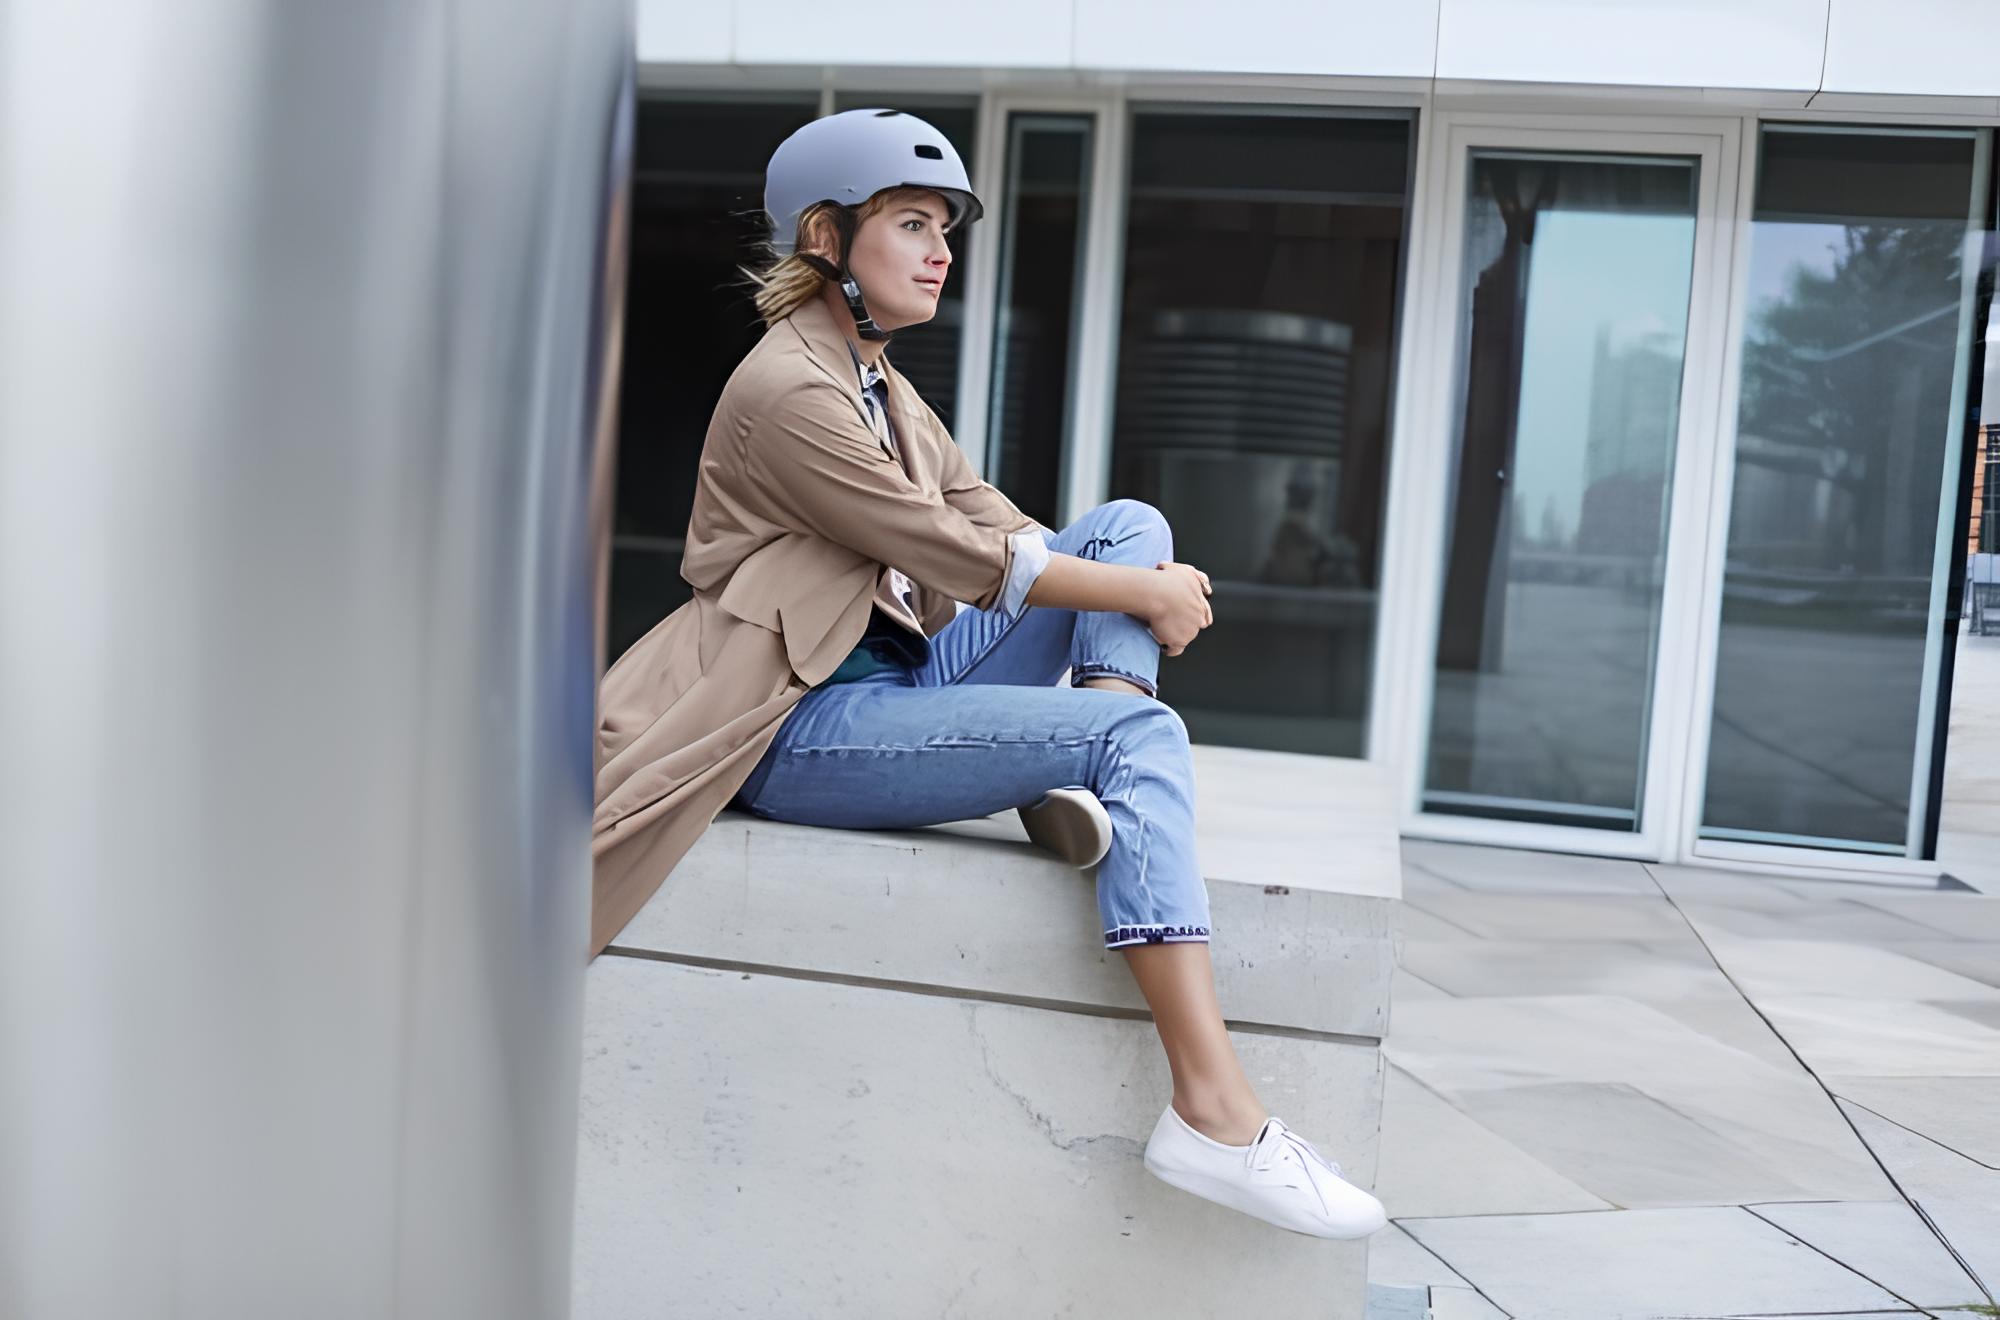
(929, 152)
(887, 114)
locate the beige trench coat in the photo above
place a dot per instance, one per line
(798, 513)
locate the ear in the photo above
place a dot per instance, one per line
(819, 234)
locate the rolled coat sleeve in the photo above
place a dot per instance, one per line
(986, 506)
(814, 465)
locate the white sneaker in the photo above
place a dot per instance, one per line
(1278, 1178)
(1072, 824)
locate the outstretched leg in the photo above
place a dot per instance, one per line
(1211, 1090)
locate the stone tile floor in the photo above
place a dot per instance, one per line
(1619, 1089)
(1627, 1090)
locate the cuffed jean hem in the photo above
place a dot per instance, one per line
(1120, 937)
(1081, 672)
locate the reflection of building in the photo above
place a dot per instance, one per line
(1208, 279)
(1635, 391)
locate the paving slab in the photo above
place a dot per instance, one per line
(1517, 871)
(1836, 919)
(1636, 1152)
(1463, 1304)
(1732, 1022)
(1566, 967)
(1473, 1051)
(1389, 1301)
(1394, 1257)
(1841, 1315)
(1642, 1263)
(1837, 969)
(1406, 988)
(1417, 924)
(1961, 1197)
(1959, 916)
(1540, 917)
(1883, 1037)
(1437, 1161)
(1961, 1113)
(1884, 1240)
(1976, 959)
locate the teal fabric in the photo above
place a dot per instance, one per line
(860, 663)
(885, 645)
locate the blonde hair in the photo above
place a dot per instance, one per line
(787, 283)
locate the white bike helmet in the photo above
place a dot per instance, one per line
(848, 158)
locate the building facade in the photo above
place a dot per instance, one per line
(1570, 402)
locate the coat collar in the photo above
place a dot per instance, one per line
(830, 351)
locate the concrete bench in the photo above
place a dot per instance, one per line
(833, 1073)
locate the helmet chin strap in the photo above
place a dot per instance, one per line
(850, 288)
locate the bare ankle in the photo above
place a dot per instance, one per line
(1232, 1119)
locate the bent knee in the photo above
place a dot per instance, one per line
(1132, 513)
(1129, 531)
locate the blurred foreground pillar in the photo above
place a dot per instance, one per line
(307, 323)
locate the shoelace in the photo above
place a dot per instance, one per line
(1275, 1139)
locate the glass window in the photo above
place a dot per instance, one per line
(1574, 316)
(1263, 265)
(697, 215)
(1042, 235)
(1856, 347)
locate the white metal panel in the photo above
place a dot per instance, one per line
(1354, 38)
(1941, 556)
(1021, 34)
(674, 32)
(1659, 43)
(1087, 465)
(981, 275)
(1919, 47)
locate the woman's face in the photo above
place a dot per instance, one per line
(900, 258)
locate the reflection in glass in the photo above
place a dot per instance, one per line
(1578, 273)
(1048, 165)
(1858, 328)
(1264, 254)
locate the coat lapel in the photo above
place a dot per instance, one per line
(827, 348)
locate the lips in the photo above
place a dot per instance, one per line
(935, 286)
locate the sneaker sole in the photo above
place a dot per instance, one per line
(1072, 824)
(1195, 1184)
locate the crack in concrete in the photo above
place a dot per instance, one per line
(1122, 1146)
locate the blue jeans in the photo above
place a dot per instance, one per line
(981, 727)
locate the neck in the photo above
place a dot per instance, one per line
(870, 349)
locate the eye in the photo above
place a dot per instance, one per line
(914, 226)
